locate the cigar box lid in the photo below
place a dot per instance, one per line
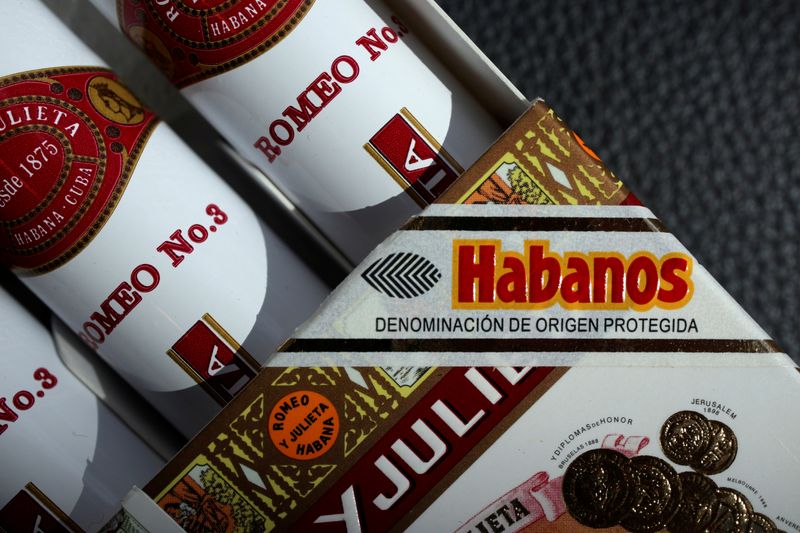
(534, 352)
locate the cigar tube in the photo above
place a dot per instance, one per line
(128, 237)
(65, 456)
(337, 101)
(115, 392)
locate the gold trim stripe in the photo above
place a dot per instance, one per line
(431, 139)
(54, 509)
(181, 362)
(395, 175)
(227, 337)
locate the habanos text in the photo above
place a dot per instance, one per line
(343, 70)
(145, 278)
(487, 277)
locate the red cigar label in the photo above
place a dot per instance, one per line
(69, 140)
(190, 44)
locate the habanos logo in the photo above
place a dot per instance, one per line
(194, 40)
(487, 277)
(69, 139)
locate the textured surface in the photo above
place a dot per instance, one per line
(695, 105)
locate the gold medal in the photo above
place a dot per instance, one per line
(758, 523)
(732, 512)
(685, 437)
(698, 507)
(721, 450)
(657, 495)
(599, 488)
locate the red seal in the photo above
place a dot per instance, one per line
(69, 139)
(194, 40)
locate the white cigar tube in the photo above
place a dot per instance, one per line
(337, 101)
(65, 455)
(128, 236)
(115, 392)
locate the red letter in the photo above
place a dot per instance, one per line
(273, 130)
(669, 273)
(106, 317)
(89, 328)
(389, 34)
(469, 271)
(341, 78)
(324, 89)
(301, 117)
(541, 289)
(89, 342)
(575, 287)
(642, 295)
(511, 285)
(178, 243)
(7, 414)
(137, 283)
(267, 148)
(371, 43)
(600, 291)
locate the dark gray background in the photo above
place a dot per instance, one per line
(694, 104)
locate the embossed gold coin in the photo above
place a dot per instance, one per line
(733, 510)
(758, 523)
(598, 488)
(685, 437)
(698, 505)
(721, 450)
(656, 495)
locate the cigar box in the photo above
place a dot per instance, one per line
(534, 352)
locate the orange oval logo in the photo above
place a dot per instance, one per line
(304, 425)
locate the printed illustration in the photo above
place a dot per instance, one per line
(541, 497)
(287, 441)
(204, 501)
(123, 522)
(509, 184)
(548, 164)
(617, 486)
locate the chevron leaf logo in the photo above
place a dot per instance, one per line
(402, 275)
